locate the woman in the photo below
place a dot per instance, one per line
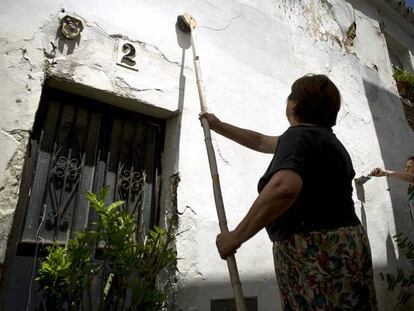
(321, 253)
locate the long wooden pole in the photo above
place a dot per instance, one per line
(218, 198)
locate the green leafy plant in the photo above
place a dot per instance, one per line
(126, 270)
(68, 271)
(405, 83)
(404, 76)
(400, 280)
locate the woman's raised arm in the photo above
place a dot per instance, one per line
(247, 138)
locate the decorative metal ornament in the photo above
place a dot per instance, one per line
(64, 178)
(131, 187)
(71, 26)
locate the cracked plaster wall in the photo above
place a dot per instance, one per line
(251, 52)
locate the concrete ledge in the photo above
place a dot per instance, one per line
(107, 97)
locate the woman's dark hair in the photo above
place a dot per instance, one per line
(410, 158)
(317, 100)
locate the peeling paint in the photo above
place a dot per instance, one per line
(350, 35)
(187, 208)
(52, 53)
(10, 188)
(221, 156)
(251, 53)
(120, 83)
(17, 134)
(174, 181)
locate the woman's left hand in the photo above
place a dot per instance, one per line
(227, 243)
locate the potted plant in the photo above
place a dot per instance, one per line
(126, 274)
(405, 83)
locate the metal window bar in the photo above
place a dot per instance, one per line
(83, 149)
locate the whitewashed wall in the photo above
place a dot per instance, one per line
(251, 52)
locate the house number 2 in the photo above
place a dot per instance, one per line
(129, 49)
(128, 54)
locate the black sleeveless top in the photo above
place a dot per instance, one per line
(325, 201)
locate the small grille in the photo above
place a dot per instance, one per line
(229, 304)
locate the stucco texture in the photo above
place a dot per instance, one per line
(251, 52)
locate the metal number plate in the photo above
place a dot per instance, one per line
(127, 55)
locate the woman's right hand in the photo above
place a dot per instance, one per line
(213, 121)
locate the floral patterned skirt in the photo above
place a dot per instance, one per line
(325, 270)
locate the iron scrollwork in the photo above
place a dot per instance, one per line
(66, 170)
(64, 180)
(130, 187)
(65, 176)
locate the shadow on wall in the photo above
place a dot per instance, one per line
(361, 198)
(173, 135)
(395, 146)
(63, 42)
(184, 42)
(260, 292)
(203, 295)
